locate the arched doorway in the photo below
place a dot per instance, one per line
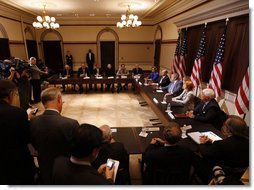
(157, 46)
(5, 52)
(52, 46)
(31, 43)
(107, 48)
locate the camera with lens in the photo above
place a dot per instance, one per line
(219, 174)
(19, 64)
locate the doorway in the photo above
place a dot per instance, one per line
(157, 52)
(53, 56)
(32, 48)
(107, 54)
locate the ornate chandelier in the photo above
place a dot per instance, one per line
(45, 21)
(129, 20)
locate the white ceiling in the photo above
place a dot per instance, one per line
(81, 9)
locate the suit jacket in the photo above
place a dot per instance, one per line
(67, 173)
(80, 71)
(95, 71)
(35, 72)
(65, 73)
(136, 71)
(165, 81)
(154, 76)
(109, 72)
(177, 87)
(232, 151)
(170, 159)
(88, 60)
(209, 114)
(16, 163)
(51, 136)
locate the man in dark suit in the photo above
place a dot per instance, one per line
(16, 163)
(109, 72)
(137, 70)
(90, 60)
(175, 86)
(229, 153)
(51, 133)
(67, 73)
(163, 80)
(167, 163)
(114, 150)
(208, 110)
(83, 72)
(77, 169)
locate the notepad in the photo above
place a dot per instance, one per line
(195, 136)
(160, 91)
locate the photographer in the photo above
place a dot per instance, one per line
(35, 79)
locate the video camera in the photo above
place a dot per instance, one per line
(18, 64)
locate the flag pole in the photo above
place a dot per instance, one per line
(244, 115)
(200, 84)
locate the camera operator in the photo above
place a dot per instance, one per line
(35, 79)
(24, 88)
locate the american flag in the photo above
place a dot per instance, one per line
(183, 53)
(196, 70)
(175, 67)
(242, 98)
(216, 75)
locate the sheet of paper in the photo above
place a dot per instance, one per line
(113, 130)
(159, 91)
(143, 134)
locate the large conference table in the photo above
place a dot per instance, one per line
(129, 136)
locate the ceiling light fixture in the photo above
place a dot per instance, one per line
(45, 21)
(129, 20)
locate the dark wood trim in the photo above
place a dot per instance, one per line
(136, 42)
(82, 42)
(100, 25)
(16, 42)
(173, 41)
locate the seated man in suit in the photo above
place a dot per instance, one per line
(16, 163)
(137, 70)
(67, 73)
(122, 72)
(175, 86)
(77, 169)
(97, 72)
(208, 110)
(167, 163)
(83, 72)
(114, 150)
(163, 80)
(109, 72)
(51, 133)
(231, 152)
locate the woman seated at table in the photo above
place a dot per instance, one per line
(187, 96)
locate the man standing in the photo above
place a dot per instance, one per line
(51, 133)
(90, 60)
